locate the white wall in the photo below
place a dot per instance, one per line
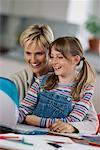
(96, 8)
(6, 6)
(75, 11)
(79, 10)
(54, 9)
(51, 9)
(27, 7)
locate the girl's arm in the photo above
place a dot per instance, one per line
(81, 107)
(33, 120)
(28, 104)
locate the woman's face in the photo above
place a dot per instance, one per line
(37, 58)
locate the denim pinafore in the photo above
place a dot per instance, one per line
(52, 104)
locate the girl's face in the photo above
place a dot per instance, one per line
(37, 58)
(62, 66)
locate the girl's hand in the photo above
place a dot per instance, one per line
(62, 127)
(32, 120)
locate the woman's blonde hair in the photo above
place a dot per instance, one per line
(38, 32)
(71, 46)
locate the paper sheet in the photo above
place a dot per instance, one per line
(40, 143)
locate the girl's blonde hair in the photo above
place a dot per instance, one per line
(39, 32)
(71, 46)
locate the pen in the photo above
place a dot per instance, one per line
(22, 141)
(9, 137)
(27, 143)
(54, 145)
(15, 139)
(57, 142)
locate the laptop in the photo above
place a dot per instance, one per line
(9, 102)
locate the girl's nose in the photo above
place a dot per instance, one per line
(54, 61)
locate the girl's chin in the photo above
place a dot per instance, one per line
(57, 73)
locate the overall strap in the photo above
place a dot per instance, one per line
(43, 81)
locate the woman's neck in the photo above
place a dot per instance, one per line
(42, 73)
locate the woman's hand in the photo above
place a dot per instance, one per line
(32, 120)
(62, 127)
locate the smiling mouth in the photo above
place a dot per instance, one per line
(36, 65)
(57, 68)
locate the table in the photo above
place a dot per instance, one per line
(40, 142)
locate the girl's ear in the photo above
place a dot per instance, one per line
(76, 60)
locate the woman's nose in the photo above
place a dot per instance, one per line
(33, 58)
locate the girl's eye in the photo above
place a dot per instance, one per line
(60, 57)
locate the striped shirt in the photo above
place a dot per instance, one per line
(80, 107)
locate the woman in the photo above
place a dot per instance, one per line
(35, 40)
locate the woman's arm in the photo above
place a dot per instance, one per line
(28, 104)
(22, 80)
(89, 125)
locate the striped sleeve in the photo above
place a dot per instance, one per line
(80, 109)
(28, 104)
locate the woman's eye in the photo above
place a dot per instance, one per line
(40, 53)
(28, 53)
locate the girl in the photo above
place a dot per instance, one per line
(77, 85)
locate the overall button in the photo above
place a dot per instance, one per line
(52, 94)
(69, 99)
